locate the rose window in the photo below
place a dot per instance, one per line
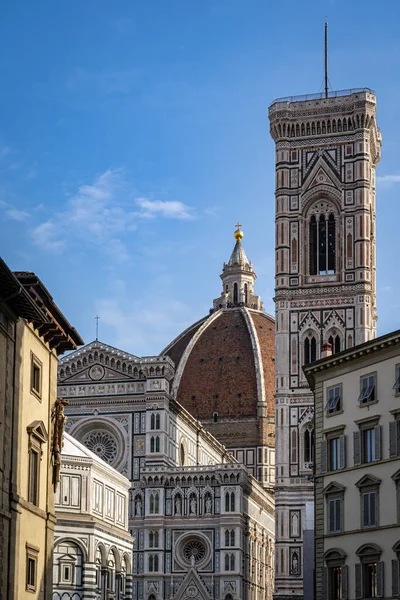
(103, 444)
(194, 551)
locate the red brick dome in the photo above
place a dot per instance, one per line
(225, 365)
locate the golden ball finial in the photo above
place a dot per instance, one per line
(238, 234)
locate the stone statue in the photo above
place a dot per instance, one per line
(193, 506)
(138, 506)
(178, 505)
(208, 505)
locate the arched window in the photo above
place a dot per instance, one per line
(294, 445)
(335, 343)
(235, 293)
(226, 562)
(152, 446)
(154, 503)
(227, 537)
(111, 574)
(182, 454)
(322, 245)
(157, 444)
(233, 502)
(232, 537)
(232, 562)
(310, 350)
(153, 539)
(308, 446)
(227, 501)
(157, 421)
(246, 294)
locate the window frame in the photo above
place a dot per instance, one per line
(339, 400)
(363, 399)
(36, 366)
(368, 485)
(396, 386)
(32, 556)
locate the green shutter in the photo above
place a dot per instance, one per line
(395, 578)
(393, 439)
(359, 593)
(380, 587)
(378, 442)
(342, 452)
(345, 582)
(324, 448)
(357, 447)
(324, 583)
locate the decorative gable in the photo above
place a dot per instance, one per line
(368, 480)
(192, 587)
(333, 488)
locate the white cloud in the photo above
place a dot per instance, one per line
(47, 236)
(388, 180)
(101, 213)
(170, 209)
(17, 215)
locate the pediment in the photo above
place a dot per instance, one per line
(333, 488)
(367, 480)
(192, 587)
(101, 362)
(38, 429)
(321, 174)
(97, 372)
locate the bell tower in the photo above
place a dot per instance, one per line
(327, 148)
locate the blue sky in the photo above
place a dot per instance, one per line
(133, 136)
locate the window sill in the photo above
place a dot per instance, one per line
(38, 395)
(364, 404)
(328, 415)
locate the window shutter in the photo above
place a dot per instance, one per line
(358, 581)
(345, 582)
(395, 578)
(342, 455)
(379, 579)
(393, 439)
(357, 448)
(324, 583)
(324, 449)
(378, 442)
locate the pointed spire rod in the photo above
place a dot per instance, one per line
(326, 60)
(97, 327)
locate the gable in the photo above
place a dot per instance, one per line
(321, 174)
(192, 587)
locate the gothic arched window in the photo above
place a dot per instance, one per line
(322, 244)
(310, 350)
(335, 343)
(246, 293)
(308, 445)
(235, 293)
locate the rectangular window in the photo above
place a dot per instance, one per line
(368, 389)
(334, 515)
(31, 568)
(334, 401)
(369, 445)
(369, 507)
(36, 376)
(334, 454)
(33, 477)
(370, 580)
(396, 386)
(335, 583)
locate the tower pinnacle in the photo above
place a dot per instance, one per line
(238, 278)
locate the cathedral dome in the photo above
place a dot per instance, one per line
(225, 362)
